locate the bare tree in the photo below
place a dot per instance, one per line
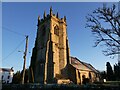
(104, 23)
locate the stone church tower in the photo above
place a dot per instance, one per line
(50, 56)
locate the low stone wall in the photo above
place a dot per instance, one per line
(57, 87)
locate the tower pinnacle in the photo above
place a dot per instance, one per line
(50, 10)
(65, 18)
(44, 14)
(38, 17)
(38, 20)
(57, 15)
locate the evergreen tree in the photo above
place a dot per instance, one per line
(26, 75)
(110, 76)
(17, 77)
(103, 75)
(117, 71)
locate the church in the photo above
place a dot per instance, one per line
(51, 61)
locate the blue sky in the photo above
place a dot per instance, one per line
(22, 18)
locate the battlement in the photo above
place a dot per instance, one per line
(49, 16)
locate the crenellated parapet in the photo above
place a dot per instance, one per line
(49, 16)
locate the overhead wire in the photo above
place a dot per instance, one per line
(20, 34)
(14, 49)
(10, 30)
(7, 29)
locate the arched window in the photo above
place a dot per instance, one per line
(83, 77)
(56, 30)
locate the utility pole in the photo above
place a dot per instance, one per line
(24, 57)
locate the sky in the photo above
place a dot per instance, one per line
(20, 19)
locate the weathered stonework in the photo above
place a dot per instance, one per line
(51, 52)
